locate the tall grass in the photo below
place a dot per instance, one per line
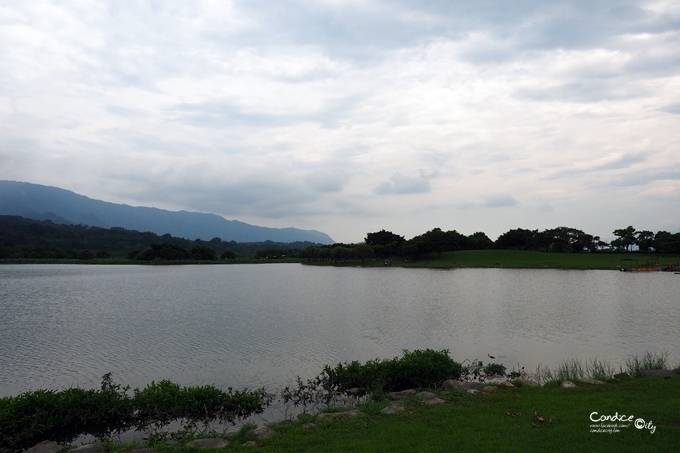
(649, 361)
(574, 369)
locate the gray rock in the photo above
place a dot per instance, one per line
(525, 383)
(392, 409)
(250, 443)
(662, 373)
(429, 398)
(472, 391)
(308, 426)
(91, 448)
(567, 384)
(451, 384)
(586, 380)
(474, 385)
(401, 395)
(489, 389)
(425, 396)
(46, 446)
(506, 384)
(336, 415)
(286, 422)
(208, 443)
(261, 432)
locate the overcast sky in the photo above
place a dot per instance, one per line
(352, 116)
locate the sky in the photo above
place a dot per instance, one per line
(352, 116)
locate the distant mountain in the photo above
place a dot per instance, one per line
(40, 202)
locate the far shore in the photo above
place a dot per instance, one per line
(511, 259)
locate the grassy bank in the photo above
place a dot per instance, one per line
(520, 259)
(508, 420)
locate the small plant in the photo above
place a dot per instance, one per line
(649, 361)
(601, 370)
(494, 369)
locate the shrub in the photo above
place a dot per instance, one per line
(63, 416)
(416, 369)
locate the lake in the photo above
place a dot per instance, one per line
(262, 325)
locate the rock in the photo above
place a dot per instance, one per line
(261, 432)
(303, 415)
(592, 381)
(425, 396)
(286, 422)
(250, 443)
(308, 426)
(506, 384)
(567, 384)
(46, 446)
(392, 409)
(400, 395)
(429, 398)
(451, 384)
(662, 373)
(474, 385)
(208, 443)
(335, 415)
(525, 383)
(91, 448)
(489, 389)
(472, 391)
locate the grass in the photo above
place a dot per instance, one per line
(506, 421)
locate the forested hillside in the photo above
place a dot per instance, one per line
(22, 238)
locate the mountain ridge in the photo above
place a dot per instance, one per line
(42, 202)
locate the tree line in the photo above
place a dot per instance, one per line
(22, 238)
(386, 244)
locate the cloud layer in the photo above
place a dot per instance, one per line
(349, 117)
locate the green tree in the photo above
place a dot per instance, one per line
(644, 240)
(479, 241)
(228, 255)
(363, 252)
(385, 243)
(625, 237)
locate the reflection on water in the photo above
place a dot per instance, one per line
(261, 325)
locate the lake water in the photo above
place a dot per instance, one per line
(262, 325)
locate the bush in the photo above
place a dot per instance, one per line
(63, 416)
(417, 369)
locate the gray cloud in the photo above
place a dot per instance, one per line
(644, 177)
(622, 162)
(402, 184)
(499, 201)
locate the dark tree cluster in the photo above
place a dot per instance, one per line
(22, 238)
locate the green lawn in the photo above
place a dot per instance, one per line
(500, 422)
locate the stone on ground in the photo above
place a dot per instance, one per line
(567, 384)
(591, 381)
(450, 384)
(392, 409)
(208, 443)
(46, 446)
(261, 432)
(91, 448)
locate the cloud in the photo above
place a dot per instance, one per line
(611, 162)
(296, 113)
(402, 184)
(499, 201)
